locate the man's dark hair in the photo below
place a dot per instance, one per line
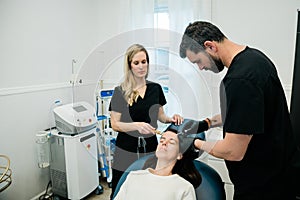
(196, 34)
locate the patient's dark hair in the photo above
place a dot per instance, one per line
(184, 167)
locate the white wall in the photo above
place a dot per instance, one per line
(267, 25)
(39, 39)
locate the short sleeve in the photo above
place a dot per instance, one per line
(117, 103)
(244, 107)
(162, 98)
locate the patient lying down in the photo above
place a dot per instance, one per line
(170, 174)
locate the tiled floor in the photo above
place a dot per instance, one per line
(104, 196)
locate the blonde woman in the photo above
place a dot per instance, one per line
(135, 107)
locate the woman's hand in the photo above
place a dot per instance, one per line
(144, 128)
(177, 119)
(162, 117)
(141, 127)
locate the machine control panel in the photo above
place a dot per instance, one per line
(75, 117)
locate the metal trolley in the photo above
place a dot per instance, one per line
(106, 136)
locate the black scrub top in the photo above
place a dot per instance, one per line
(253, 102)
(144, 110)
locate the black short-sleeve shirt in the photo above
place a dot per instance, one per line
(253, 102)
(144, 110)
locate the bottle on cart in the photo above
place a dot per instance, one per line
(43, 149)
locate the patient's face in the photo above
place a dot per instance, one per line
(168, 147)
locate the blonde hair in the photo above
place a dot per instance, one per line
(129, 83)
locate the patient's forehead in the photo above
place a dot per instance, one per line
(170, 134)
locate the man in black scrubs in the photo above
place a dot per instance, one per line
(258, 145)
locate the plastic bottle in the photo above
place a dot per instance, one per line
(43, 149)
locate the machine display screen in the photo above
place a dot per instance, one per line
(79, 108)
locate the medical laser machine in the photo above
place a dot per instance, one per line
(75, 118)
(74, 161)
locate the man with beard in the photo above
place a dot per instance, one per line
(258, 145)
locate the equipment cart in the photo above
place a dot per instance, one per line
(106, 136)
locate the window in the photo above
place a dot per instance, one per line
(161, 21)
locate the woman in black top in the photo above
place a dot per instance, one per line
(135, 107)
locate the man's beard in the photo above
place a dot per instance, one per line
(219, 65)
(216, 65)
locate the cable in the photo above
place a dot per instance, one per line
(46, 195)
(5, 174)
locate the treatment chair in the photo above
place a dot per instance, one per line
(211, 187)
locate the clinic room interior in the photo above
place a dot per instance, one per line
(56, 53)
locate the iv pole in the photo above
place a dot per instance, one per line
(73, 79)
